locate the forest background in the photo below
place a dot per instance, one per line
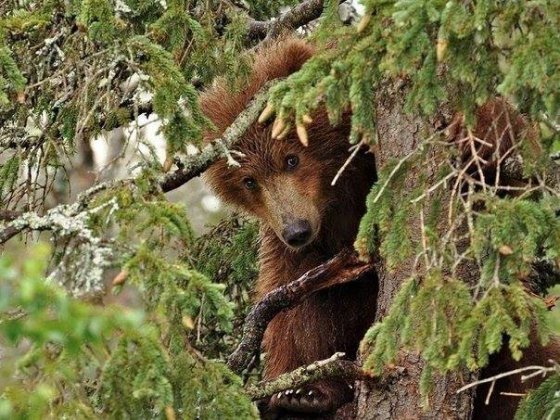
(117, 301)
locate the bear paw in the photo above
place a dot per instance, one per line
(302, 400)
(313, 398)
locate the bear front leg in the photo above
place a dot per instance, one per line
(287, 348)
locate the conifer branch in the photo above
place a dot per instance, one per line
(192, 167)
(295, 17)
(188, 169)
(333, 367)
(343, 268)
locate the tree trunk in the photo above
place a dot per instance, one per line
(396, 395)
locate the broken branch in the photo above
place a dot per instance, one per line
(343, 268)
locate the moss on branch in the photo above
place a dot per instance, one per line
(333, 367)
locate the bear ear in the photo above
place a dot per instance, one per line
(280, 59)
(222, 105)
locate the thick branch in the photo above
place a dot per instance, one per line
(332, 367)
(343, 268)
(8, 233)
(72, 222)
(14, 222)
(297, 16)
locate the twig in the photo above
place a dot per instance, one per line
(343, 268)
(538, 370)
(513, 394)
(490, 391)
(333, 367)
(348, 161)
(394, 171)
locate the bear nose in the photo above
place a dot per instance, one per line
(297, 233)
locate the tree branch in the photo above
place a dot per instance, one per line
(57, 218)
(189, 168)
(192, 167)
(536, 371)
(71, 221)
(295, 17)
(343, 268)
(333, 367)
(9, 215)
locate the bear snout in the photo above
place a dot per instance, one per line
(297, 233)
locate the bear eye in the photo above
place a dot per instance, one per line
(250, 183)
(292, 161)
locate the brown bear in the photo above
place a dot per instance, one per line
(304, 222)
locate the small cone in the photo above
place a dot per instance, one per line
(187, 322)
(363, 23)
(120, 278)
(505, 250)
(302, 134)
(441, 48)
(168, 163)
(170, 413)
(268, 112)
(277, 127)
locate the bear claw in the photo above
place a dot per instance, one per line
(303, 400)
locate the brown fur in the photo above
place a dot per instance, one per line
(333, 320)
(336, 319)
(496, 136)
(501, 129)
(504, 406)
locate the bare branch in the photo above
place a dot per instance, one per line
(297, 16)
(343, 268)
(333, 367)
(71, 221)
(23, 221)
(536, 371)
(8, 215)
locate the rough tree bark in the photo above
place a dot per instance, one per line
(397, 395)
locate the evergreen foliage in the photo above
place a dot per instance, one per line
(228, 255)
(67, 358)
(68, 72)
(88, 58)
(460, 54)
(71, 70)
(542, 403)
